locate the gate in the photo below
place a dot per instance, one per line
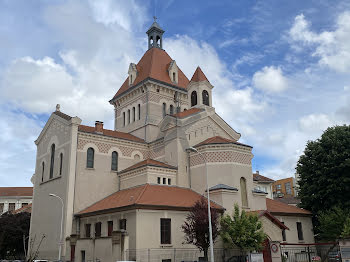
(317, 252)
(267, 251)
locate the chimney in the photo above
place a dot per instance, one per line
(99, 127)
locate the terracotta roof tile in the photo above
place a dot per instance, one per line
(188, 112)
(199, 76)
(147, 162)
(154, 64)
(219, 140)
(289, 200)
(16, 191)
(156, 196)
(63, 115)
(27, 208)
(260, 178)
(111, 133)
(276, 207)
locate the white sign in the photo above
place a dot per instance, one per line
(256, 257)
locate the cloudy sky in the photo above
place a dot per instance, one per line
(280, 68)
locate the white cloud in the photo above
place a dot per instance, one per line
(315, 123)
(270, 79)
(331, 47)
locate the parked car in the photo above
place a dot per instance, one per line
(334, 256)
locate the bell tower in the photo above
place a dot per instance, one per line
(155, 34)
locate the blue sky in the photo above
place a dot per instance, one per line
(280, 69)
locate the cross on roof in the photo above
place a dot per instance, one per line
(155, 18)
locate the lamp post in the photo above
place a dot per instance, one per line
(61, 242)
(209, 213)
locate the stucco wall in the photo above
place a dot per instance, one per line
(292, 233)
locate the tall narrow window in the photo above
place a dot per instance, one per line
(193, 98)
(109, 228)
(171, 110)
(52, 163)
(128, 116)
(12, 206)
(284, 238)
(87, 230)
(123, 118)
(133, 114)
(300, 231)
(164, 110)
(98, 229)
(244, 196)
(42, 171)
(158, 180)
(122, 224)
(139, 110)
(90, 158)
(130, 79)
(205, 96)
(114, 161)
(165, 231)
(61, 163)
(174, 77)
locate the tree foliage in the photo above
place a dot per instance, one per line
(324, 170)
(346, 230)
(331, 223)
(242, 230)
(12, 229)
(196, 226)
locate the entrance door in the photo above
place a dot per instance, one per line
(267, 251)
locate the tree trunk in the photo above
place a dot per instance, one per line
(206, 254)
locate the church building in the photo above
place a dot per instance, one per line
(128, 190)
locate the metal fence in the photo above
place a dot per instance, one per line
(323, 252)
(179, 255)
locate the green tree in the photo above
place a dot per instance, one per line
(242, 230)
(12, 229)
(324, 170)
(196, 227)
(346, 229)
(331, 223)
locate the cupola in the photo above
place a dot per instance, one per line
(155, 34)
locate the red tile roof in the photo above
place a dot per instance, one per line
(278, 208)
(188, 112)
(27, 208)
(199, 76)
(260, 178)
(151, 196)
(154, 64)
(272, 218)
(111, 133)
(219, 140)
(147, 162)
(16, 191)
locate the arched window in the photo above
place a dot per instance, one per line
(90, 158)
(171, 110)
(164, 109)
(205, 96)
(114, 166)
(123, 118)
(128, 116)
(133, 114)
(244, 196)
(158, 41)
(61, 163)
(139, 110)
(42, 171)
(174, 77)
(193, 98)
(185, 109)
(52, 162)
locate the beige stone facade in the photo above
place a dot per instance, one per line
(155, 119)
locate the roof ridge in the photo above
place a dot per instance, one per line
(143, 191)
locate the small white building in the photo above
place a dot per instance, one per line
(12, 198)
(263, 183)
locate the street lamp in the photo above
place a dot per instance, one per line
(61, 241)
(209, 213)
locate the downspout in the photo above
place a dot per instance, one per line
(189, 169)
